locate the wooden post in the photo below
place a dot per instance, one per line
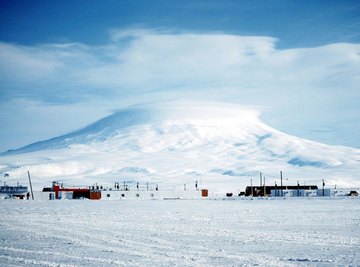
(32, 193)
(298, 190)
(251, 187)
(264, 187)
(281, 184)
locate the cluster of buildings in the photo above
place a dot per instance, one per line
(14, 191)
(295, 191)
(58, 191)
(283, 191)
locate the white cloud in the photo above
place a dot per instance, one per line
(25, 63)
(141, 62)
(154, 60)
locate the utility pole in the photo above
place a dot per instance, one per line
(251, 187)
(298, 189)
(264, 187)
(32, 194)
(281, 184)
(260, 180)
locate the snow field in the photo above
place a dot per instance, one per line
(281, 232)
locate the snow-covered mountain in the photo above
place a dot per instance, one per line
(222, 146)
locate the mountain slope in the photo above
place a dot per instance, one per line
(221, 145)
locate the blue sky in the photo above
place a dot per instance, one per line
(68, 63)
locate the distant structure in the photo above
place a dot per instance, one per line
(353, 194)
(278, 191)
(17, 191)
(58, 191)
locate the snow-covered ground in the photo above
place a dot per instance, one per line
(272, 232)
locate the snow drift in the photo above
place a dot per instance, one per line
(220, 145)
